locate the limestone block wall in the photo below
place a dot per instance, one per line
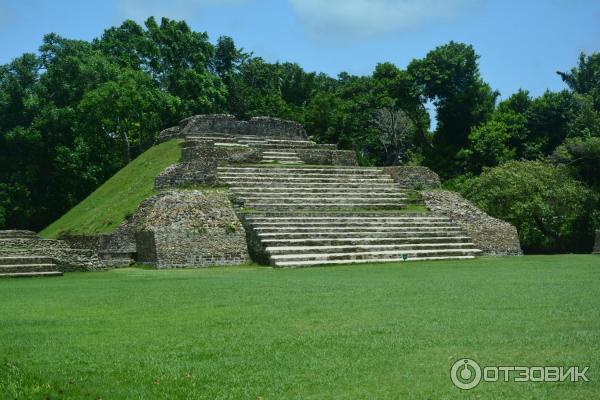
(67, 258)
(493, 236)
(414, 177)
(183, 228)
(207, 124)
(322, 156)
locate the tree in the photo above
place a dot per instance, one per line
(127, 111)
(585, 78)
(489, 145)
(449, 77)
(552, 211)
(395, 130)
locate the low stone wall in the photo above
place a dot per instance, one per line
(92, 242)
(414, 177)
(276, 127)
(208, 124)
(597, 243)
(199, 161)
(67, 259)
(320, 156)
(188, 228)
(493, 236)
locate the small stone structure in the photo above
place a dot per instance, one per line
(190, 228)
(66, 258)
(493, 236)
(414, 177)
(597, 243)
(228, 124)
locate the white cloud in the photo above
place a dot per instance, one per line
(139, 10)
(336, 19)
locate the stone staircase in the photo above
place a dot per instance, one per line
(303, 216)
(19, 265)
(274, 150)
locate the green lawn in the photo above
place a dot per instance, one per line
(351, 332)
(104, 209)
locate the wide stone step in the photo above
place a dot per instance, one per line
(289, 141)
(328, 219)
(323, 198)
(300, 176)
(336, 241)
(323, 227)
(383, 255)
(313, 185)
(298, 173)
(303, 170)
(25, 259)
(31, 274)
(278, 153)
(293, 191)
(325, 206)
(336, 168)
(220, 139)
(300, 250)
(27, 268)
(283, 162)
(341, 227)
(411, 236)
(313, 181)
(222, 144)
(305, 263)
(300, 145)
(316, 194)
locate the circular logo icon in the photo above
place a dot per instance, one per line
(465, 374)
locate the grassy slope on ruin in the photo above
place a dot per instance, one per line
(104, 209)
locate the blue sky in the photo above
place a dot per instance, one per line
(521, 43)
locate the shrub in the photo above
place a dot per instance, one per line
(552, 211)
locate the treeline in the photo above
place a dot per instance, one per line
(76, 112)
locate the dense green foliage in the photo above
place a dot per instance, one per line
(552, 211)
(117, 198)
(384, 331)
(76, 112)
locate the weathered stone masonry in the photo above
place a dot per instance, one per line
(493, 236)
(190, 227)
(228, 124)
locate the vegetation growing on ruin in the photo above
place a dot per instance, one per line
(109, 205)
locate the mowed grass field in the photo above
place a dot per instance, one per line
(385, 331)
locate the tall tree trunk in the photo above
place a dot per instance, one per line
(126, 147)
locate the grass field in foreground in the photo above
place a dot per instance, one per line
(104, 209)
(352, 332)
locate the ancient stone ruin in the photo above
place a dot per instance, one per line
(260, 190)
(23, 253)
